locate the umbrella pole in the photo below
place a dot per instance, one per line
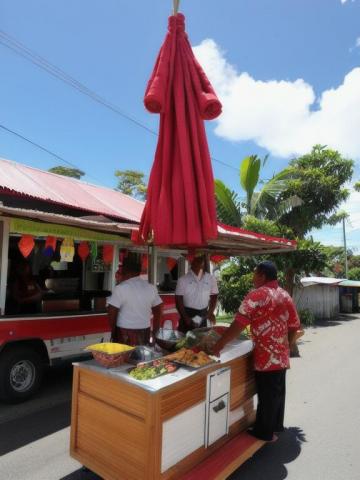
(176, 4)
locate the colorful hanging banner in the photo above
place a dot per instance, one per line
(108, 254)
(93, 250)
(19, 225)
(26, 245)
(67, 250)
(218, 258)
(50, 246)
(83, 250)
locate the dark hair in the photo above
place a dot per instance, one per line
(131, 266)
(268, 269)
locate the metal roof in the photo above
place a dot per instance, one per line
(30, 182)
(337, 282)
(94, 224)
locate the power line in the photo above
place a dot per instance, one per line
(8, 130)
(41, 62)
(20, 49)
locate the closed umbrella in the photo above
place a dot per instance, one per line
(180, 207)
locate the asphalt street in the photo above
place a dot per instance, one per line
(321, 441)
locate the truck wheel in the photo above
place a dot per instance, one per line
(21, 372)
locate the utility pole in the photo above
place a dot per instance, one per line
(345, 250)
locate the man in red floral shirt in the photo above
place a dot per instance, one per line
(273, 320)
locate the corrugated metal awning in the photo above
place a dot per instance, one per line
(30, 182)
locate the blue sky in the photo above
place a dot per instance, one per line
(267, 59)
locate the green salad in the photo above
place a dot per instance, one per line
(148, 371)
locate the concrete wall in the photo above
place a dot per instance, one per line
(321, 300)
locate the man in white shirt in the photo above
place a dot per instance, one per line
(131, 305)
(196, 296)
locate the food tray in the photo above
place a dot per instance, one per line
(179, 358)
(191, 367)
(156, 364)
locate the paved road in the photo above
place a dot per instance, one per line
(322, 441)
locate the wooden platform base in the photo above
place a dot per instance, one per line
(227, 459)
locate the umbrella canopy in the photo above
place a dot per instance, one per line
(180, 207)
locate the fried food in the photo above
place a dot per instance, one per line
(190, 358)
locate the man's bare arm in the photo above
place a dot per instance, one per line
(112, 316)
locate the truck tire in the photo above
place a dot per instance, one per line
(21, 371)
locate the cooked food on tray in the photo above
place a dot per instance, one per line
(190, 358)
(150, 370)
(202, 338)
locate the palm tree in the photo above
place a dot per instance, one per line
(265, 204)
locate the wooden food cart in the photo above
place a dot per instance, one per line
(123, 428)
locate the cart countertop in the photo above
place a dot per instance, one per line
(234, 349)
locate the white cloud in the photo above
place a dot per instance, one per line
(357, 43)
(283, 116)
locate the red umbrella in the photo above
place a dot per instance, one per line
(180, 207)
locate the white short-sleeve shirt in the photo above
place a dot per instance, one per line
(196, 290)
(134, 298)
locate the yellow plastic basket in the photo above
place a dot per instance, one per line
(110, 355)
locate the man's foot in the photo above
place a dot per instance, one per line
(251, 432)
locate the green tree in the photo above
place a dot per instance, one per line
(308, 258)
(320, 182)
(354, 273)
(228, 205)
(67, 172)
(249, 177)
(235, 283)
(264, 203)
(131, 182)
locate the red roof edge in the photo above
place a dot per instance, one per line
(261, 236)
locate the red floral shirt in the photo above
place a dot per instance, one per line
(271, 313)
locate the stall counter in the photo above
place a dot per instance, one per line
(122, 428)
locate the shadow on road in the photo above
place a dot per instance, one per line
(82, 474)
(269, 463)
(32, 427)
(46, 413)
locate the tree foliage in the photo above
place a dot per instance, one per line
(233, 287)
(320, 182)
(131, 182)
(67, 171)
(249, 177)
(228, 205)
(354, 273)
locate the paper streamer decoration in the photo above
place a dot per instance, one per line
(108, 254)
(26, 245)
(50, 246)
(83, 250)
(67, 250)
(93, 250)
(218, 258)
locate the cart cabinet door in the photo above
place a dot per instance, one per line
(182, 435)
(218, 425)
(217, 405)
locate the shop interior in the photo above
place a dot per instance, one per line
(63, 286)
